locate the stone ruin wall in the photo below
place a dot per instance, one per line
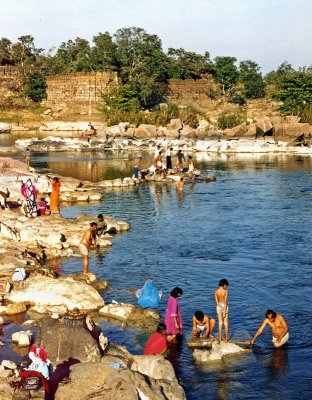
(190, 90)
(78, 93)
(11, 79)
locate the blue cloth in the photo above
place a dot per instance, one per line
(149, 297)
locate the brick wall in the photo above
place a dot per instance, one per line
(183, 91)
(78, 93)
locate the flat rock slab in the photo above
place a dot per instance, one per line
(207, 343)
(131, 315)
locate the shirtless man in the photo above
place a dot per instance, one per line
(221, 297)
(180, 184)
(279, 327)
(202, 325)
(89, 239)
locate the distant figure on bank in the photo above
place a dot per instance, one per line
(181, 158)
(55, 196)
(221, 297)
(42, 206)
(180, 184)
(89, 239)
(27, 156)
(279, 327)
(158, 162)
(191, 165)
(168, 158)
(91, 131)
(157, 150)
(173, 314)
(203, 325)
(29, 191)
(136, 167)
(101, 225)
(157, 344)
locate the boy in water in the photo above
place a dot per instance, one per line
(202, 325)
(221, 297)
(89, 239)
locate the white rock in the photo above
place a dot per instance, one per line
(8, 364)
(46, 292)
(22, 338)
(217, 352)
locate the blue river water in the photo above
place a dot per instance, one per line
(253, 227)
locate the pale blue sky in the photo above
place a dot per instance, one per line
(266, 31)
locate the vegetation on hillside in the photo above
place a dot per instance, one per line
(144, 70)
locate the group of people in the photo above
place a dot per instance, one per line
(161, 167)
(47, 205)
(203, 325)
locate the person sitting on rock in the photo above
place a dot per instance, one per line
(203, 325)
(101, 225)
(157, 344)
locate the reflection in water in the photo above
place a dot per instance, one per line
(222, 386)
(175, 351)
(278, 365)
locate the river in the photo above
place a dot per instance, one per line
(253, 227)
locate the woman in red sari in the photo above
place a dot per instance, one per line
(55, 196)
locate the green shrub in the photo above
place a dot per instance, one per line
(229, 120)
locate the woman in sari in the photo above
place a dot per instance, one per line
(30, 192)
(55, 196)
(173, 318)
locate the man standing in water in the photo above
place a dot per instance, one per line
(221, 297)
(279, 327)
(88, 239)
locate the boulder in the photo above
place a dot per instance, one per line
(251, 131)
(15, 308)
(217, 352)
(9, 364)
(64, 340)
(236, 132)
(46, 291)
(145, 131)
(175, 124)
(188, 132)
(112, 380)
(22, 338)
(264, 126)
(132, 315)
(5, 128)
(290, 131)
(155, 367)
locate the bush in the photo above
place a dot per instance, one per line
(229, 120)
(35, 87)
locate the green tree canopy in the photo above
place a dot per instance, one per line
(104, 53)
(295, 91)
(184, 64)
(142, 64)
(226, 72)
(24, 51)
(35, 87)
(250, 76)
(5, 51)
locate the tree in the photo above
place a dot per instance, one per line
(187, 65)
(142, 64)
(226, 72)
(295, 91)
(35, 87)
(5, 51)
(250, 76)
(24, 52)
(103, 53)
(273, 77)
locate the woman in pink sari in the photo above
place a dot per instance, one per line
(173, 314)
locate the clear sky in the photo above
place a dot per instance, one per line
(265, 31)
